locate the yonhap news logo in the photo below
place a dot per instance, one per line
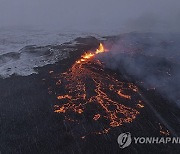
(125, 139)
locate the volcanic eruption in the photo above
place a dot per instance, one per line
(89, 90)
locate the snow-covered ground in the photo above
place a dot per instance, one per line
(13, 58)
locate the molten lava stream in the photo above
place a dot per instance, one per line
(91, 89)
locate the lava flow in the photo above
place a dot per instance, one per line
(92, 92)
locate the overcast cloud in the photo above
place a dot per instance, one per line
(129, 15)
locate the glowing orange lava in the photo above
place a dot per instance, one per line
(89, 88)
(89, 55)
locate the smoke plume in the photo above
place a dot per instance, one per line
(150, 58)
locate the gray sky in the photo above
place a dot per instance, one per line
(88, 14)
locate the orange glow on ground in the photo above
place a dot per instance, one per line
(89, 55)
(106, 87)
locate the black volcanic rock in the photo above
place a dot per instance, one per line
(28, 123)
